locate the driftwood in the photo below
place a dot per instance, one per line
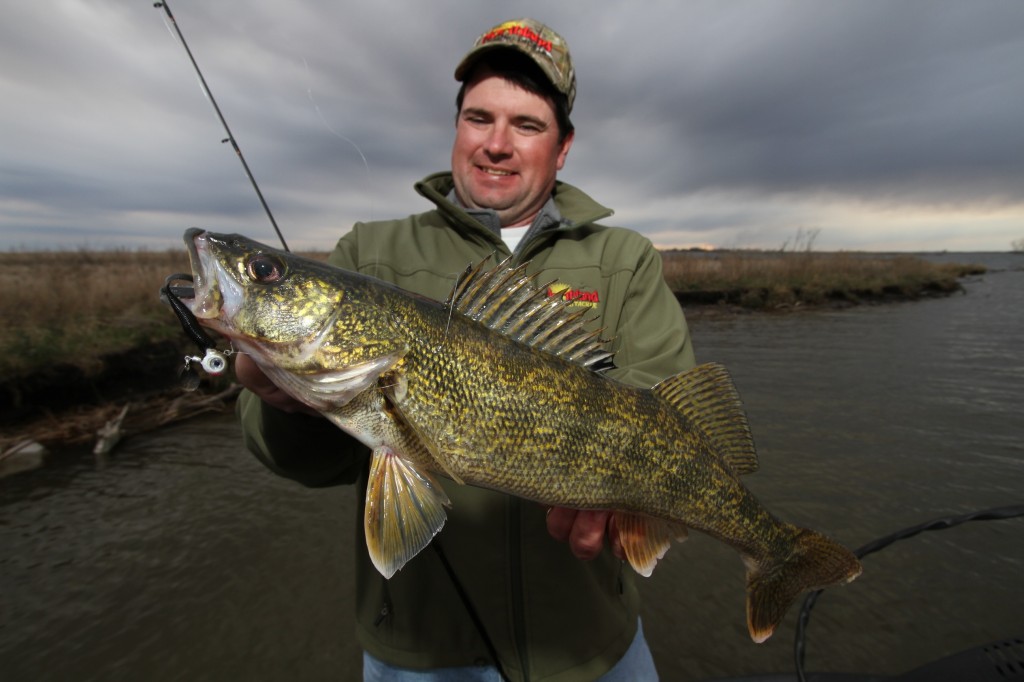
(109, 435)
(106, 425)
(25, 455)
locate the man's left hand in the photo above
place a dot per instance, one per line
(584, 530)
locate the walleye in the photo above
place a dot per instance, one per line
(496, 388)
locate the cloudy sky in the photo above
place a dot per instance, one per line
(870, 125)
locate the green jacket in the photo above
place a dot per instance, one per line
(549, 615)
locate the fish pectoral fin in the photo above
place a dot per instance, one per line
(404, 510)
(348, 381)
(645, 540)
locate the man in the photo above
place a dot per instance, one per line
(498, 597)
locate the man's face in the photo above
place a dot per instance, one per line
(506, 150)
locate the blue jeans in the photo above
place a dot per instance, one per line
(636, 665)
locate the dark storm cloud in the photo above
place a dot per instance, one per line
(729, 123)
(859, 97)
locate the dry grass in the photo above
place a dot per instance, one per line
(74, 306)
(774, 279)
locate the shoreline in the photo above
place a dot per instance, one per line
(64, 406)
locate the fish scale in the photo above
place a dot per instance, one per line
(496, 388)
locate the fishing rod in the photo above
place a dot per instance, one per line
(230, 137)
(214, 362)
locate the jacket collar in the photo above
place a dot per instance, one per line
(568, 207)
(547, 218)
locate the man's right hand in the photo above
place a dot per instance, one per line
(252, 377)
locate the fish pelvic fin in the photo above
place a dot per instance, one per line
(645, 540)
(708, 398)
(814, 563)
(404, 510)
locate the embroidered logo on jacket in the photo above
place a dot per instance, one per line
(576, 297)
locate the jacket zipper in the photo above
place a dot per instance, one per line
(515, 550)
(385, 609)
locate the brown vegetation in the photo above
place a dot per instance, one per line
(75, 306)
(769, 280)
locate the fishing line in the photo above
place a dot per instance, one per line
(994, 514)
(332, 131)
(214, 362)
(478, 622)
(451, 307)
(230, 137)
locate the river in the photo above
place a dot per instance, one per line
(184, 559)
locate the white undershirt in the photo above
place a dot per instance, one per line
(512, 236)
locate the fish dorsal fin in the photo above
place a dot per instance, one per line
(710, 401)
(509, 301)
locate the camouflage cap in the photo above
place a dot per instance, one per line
(535, 40)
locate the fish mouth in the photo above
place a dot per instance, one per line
(205, 298)
(197, 297)
(185, 292)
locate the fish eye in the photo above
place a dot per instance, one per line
(265, 269)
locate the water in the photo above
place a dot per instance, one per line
(185, 559)
(867, 421)
(182, 560)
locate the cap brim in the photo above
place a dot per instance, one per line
(473, 55)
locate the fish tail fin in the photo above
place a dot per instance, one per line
(814, 562)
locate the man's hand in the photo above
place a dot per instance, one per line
(252, 377)
(584, 530)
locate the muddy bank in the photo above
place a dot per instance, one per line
(129, 374)
(66, 405)
(771, 300)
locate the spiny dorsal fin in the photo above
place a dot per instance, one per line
(509, 301)
(709, 399)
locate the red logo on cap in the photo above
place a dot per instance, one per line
(517, 30)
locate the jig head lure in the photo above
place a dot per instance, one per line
(213, 361)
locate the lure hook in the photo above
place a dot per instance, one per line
(213, 361)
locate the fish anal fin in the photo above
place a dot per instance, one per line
(814, 563)
(404, 511)
(709, 399)
(645, 539)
